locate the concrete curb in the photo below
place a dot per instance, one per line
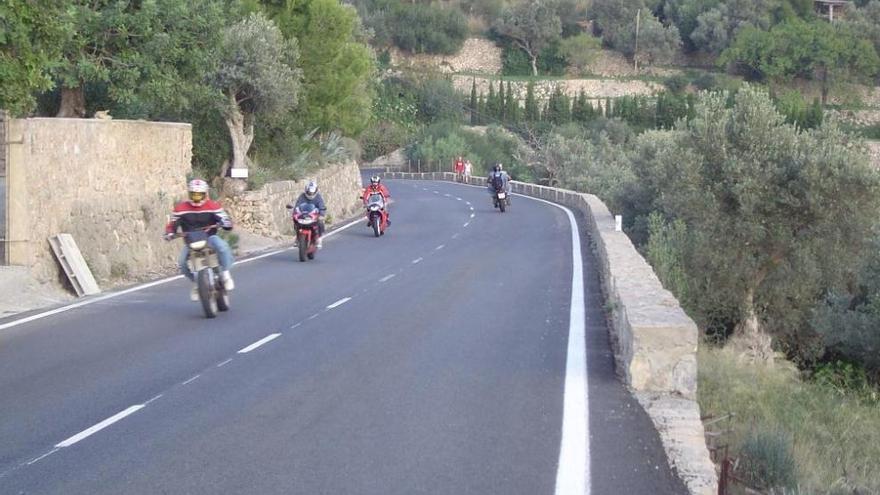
(655, 342)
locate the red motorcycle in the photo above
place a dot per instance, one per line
(305, 223)
(377, 214)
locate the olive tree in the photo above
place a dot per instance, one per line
(256, 74)
(532, 25)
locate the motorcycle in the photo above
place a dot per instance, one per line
(305, 223)
(377, 214)
(205, 265)
(501, 199)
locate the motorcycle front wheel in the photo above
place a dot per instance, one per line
(303, 246)
(377, 225)
(206, 289)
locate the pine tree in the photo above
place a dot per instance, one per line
(502, 101)
(512, 107)
(491, 104)
(481, 109)
(609, 109)
(532, 111)
(473, 103)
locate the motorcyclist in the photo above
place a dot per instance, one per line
(376, 186)
(311, 195)
(198, 212)
(498, 174)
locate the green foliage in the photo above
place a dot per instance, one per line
(382, 138)
(797, 112)
(30, 33)
(580, 52)
(438, 100)
(337, 67)
(530, 27)
(831, 53)
(558, 109)
(430, 28)
(437, 145)
(531, 112)
(767, 460)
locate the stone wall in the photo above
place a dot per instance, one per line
(593, 88)
(110, 184)
(655, 341)
(263, 211)
(477, 55)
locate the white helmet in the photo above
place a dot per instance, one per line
(197, 190)
(311, 189)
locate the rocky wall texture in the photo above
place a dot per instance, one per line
(263, 211)
(655, 341)
(593, 88)
(110, 184)
(477, 55)
(874, 153)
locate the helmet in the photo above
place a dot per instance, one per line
(197, 190)
(375, 180)
(499, 167)
(311, 189)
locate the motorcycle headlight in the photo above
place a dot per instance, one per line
(198, 245)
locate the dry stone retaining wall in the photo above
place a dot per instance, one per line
(655, 341)
(263, 211)
(593, 88)
(477, 55)
(110, 184)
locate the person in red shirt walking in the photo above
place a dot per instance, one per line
(458, 168)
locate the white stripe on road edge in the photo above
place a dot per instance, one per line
(112, 295)
(387, 277)
(47, 454)
(153, 399)
(416, 260)
(98, 427)
(268, 338)
(339, 303)
(224, 363)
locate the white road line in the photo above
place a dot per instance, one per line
(466, 224)
(47, 454)
(387, 277)
(448, 195)
(441, 246)
(113, 295)
(313, 316)
(457, 198)
(436, 192)
(455, 236)
(339, 303)
(294, 326)
(153, 399)
(98, 427)
(471, 208)
(472, 215)
(224, 363)
(264, 340)
(467, 203)
(191, 380)
(417, 260)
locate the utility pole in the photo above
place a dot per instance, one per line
(636, 52)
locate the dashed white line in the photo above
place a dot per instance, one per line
(448, 195)
(339, 303)
(224, 363)
(264, 340)
(436, 192)
(387, 277)
(313, 316)
(296, 325)
(457, 198)
(441, 246)
(472, 215)
(417, 260)
(47, 454)
(153, 399)
(455, 236)
(191, 380)
(466, 224)
(471, 208)
(467, 203)
(98, 427)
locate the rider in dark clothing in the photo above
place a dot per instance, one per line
(311, 195)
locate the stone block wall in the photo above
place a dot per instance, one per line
(476, 55)
(263, 211)
(655, 342)
(109, 183)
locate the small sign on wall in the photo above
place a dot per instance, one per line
(239, 173)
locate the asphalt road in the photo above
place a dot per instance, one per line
(431, 360)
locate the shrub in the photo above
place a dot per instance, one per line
(429, 29)
(767, 461)
(382, 138)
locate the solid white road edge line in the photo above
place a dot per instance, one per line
(98, 427)
(339, 303)
(112, 295)
(264, 340)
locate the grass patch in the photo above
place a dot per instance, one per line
(792, 433)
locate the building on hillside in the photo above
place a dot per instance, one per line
(831, 9)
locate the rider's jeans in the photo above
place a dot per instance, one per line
(224, 254)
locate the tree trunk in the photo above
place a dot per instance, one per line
(241, 133)
(824, 79)
(534, 59)
(73, 103)
(749, 337)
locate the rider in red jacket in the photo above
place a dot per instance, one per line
(376, 186)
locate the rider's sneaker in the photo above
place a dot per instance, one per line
(194, 293)
(320, 243)
(228, 283)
